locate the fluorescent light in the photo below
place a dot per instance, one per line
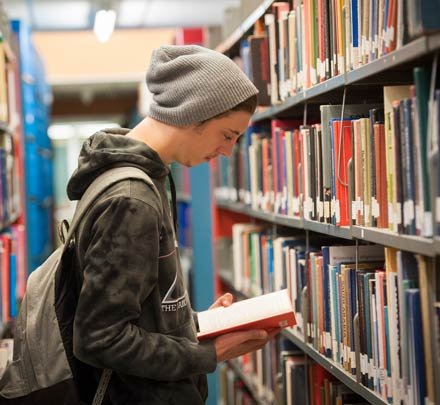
(104, 24)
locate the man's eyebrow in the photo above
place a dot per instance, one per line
(234, 131)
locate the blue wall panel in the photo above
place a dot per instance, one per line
(36, 98)
(202, 277)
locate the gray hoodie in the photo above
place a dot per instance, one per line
(134, 314)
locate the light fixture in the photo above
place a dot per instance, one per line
(104, 24)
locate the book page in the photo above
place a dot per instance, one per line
(245, 311)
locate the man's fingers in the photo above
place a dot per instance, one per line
(226, 299)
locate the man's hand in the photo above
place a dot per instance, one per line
(224, 301)
(231, 345)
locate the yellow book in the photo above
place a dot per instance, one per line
(3, 84)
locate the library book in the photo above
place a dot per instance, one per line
(268, 311)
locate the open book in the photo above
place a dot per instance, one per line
(273, 310)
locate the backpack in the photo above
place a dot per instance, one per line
(44, 370)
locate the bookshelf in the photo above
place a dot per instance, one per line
(247, 382)
(363, 84)
(409, 52)
(265, 216)
(13, 221)
(337, 371)
(415, 244)
(245, 26)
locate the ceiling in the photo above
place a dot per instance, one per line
(52, 15)
(111, 98)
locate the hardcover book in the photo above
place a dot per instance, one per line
(269, 311)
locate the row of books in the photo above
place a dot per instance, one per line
(305, 42)
(233, 390)
(5, 60)
(387, 290)
(362, 164)
(13, 274)
(10, 204)
(280, 373)
(306, 382)
(261, 368)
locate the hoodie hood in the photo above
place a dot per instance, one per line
(111, 148)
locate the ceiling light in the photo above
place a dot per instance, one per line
(104, 24)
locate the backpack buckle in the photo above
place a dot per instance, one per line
(63, 230)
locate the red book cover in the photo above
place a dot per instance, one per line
(342, 153)
(5, 249)
(275, 163)
(266, 160)
(381, 171)
(391, 27)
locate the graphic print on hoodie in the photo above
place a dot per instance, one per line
(133, 314)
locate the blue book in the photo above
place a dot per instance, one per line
(244, 145)
(354, 24)
(368, 329)
(422, 17)
(387, 337)
(270, 263)
(408, 158)
(335, 271)
(13, 281)
(415, 341)
(353, 311)
(373, 30)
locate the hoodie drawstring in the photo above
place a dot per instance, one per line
(173, 200)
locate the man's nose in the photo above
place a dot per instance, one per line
(226, 150)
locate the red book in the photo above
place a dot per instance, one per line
(342, 153)
(5, 250)
(269, 311)
(381, 173)
(267, 164)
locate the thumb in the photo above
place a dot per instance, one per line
(226, 299)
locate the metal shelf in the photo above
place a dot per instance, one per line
(284, 220)
(343, 232)
(406, 53)
(244, 27)
(415, 244)
(437, 244)
(335, 369)
(411, 51)
(237, 370)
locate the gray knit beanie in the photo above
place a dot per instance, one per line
(191, 84)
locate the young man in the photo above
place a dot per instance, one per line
(133, 314)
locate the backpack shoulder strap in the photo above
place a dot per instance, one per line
(102, 183)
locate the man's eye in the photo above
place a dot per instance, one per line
(227, 137)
